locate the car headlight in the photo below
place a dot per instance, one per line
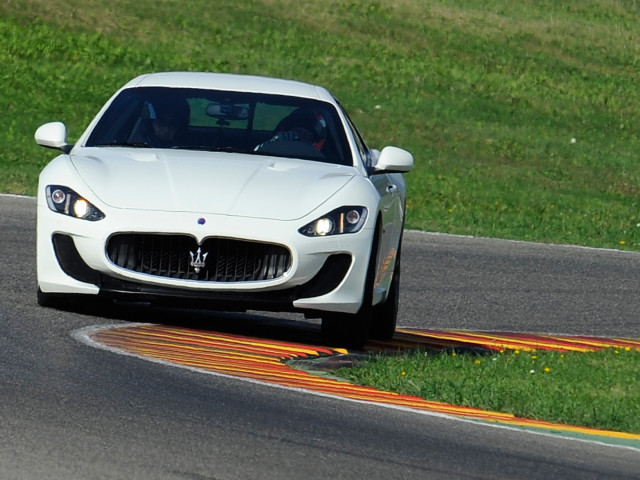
(341, 220)
(66, 201)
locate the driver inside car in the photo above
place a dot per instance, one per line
(302, 125)
(167, 120)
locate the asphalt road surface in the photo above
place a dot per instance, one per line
(69, 411)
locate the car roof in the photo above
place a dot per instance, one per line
(232, 82)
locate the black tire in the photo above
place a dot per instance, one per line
(385, 314)
(352, 330)
(346, 330)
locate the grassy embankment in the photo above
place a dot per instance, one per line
(523, 116)
(597, 389)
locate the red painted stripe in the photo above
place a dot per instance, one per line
(264, 360)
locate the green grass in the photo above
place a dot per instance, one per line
(487, 95)
(523, 117)
(597, 390)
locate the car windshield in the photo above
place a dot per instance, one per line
(199, 119)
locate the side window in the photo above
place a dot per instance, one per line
(118, 121)
(365, 153)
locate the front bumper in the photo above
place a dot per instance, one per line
(325, 274)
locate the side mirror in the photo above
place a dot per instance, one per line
(393, 160)
(53, 135)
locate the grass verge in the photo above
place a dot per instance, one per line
(596, 389)
(522, 116)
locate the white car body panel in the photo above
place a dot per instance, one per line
(235, 196)
(208, 182)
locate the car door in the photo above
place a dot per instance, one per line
(390, 188)
(392, 209)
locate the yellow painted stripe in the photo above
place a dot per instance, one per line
(517, 342)
(267, 347)
(264, 360)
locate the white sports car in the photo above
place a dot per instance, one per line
(226, 192)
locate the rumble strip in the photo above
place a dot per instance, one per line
(269, 361)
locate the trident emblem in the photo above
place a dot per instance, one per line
(198, 259)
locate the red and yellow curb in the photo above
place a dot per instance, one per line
(511, 341)
(265, 361)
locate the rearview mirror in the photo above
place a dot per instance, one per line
(393, 160)
(228, 111)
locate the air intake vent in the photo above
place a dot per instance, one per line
(215, 260)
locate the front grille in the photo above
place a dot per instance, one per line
(222, 259)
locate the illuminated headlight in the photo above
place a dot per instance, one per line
(66, 201)
(339, 221)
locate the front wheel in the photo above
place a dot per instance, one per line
(346, 330)
(385, 314)
(352, 330)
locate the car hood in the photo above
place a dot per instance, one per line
(204, 182)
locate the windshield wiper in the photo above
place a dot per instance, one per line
(206, 148)
(122, 144)
(209, 148)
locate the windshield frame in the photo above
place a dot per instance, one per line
(220, 121)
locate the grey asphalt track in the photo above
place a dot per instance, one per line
(69, 411)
